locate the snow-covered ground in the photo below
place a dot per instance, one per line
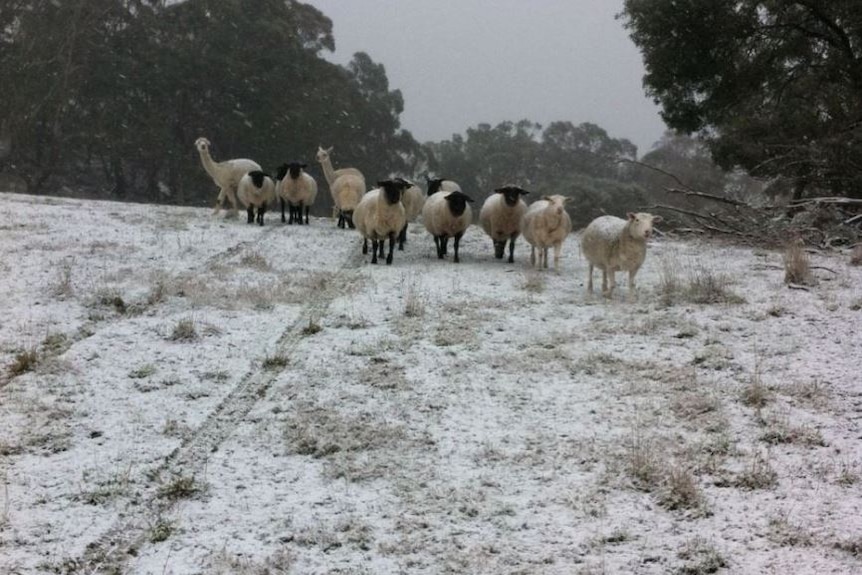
(187, 394)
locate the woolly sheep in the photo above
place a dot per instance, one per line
(441, 185)
(255, 190)
(297, 188)
(381, 215)
(500, 217)
(226, 175)
(413, 200)
(544, 225)
(445, 215)
(347, 186)
(613, 244)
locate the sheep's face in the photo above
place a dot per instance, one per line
(458, 203)
(281, 172)
(511, 194)
(257, 178)
(393, 189)
(640, 224)
(295, 169)
(434, 185)
(202, 144)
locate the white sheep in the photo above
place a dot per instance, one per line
(296, 187)
(613, 244)
(226, 175)
(413, 200)
(500, 217)
(544, 225)
(381, 215)
(445, 215)
(255, 190)
(347, 186)
(441, 185)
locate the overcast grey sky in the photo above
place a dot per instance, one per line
(462, 62)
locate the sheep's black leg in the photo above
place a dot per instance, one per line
(456, 243)
(499, 249)
(364, 246)
(438, 243)
(250, 214)
(282, 210)
(382, 246)
(444, 244)
(340, 220)
(349, 219)
(260, 212)
(307, 209)
(511, 250)
(392, 240)
(402, 237)
(374, 251)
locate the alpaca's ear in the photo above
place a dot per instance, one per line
(329, 150)
(632, 216)
(566, 199)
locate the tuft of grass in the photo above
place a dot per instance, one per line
(533, 282)
(670, 284)
(642, 462)
(275, 362)
(414, 297)
(184, 330)
(787, 534)
(781, 431)
(112, 298)
(312, 328)
(706, 286)
(256, 260)
(161, 530)
(797, 269)
(682, 492)
(63, 284)
(24, 361)
(701, 557)
(142, 372)
(759, 474)
(755, 393)
(182, 487)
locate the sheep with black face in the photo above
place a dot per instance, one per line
(380, 215)
(445, 215)
(255, 190)
(441, 185)
(501, 218)
(297, 188)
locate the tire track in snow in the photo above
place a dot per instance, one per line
(109, 553)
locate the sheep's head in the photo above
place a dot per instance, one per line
(323, 155)
(295, 169)
(393, 189)
(202, 144)
(511, 194)
(458, 202)
(433, 184)
(281, 172)
(257, 178)
(640, 224)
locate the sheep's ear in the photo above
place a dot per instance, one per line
(500, 190)
(566, 199)
(303, 166)
(656, 219)
(383, 183)
(632, 216)
(548, 198)
(523, 192)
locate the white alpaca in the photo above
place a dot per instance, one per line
(226, 175)
(347, 186)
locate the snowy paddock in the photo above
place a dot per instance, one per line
(182, 393)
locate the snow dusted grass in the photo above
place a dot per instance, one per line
(210, 397)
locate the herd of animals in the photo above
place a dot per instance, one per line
(609, 243)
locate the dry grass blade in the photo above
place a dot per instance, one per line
(797, 269)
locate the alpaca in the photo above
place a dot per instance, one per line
(226, 175)
(348, 190)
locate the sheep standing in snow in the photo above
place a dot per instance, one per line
(500, 217)
(380, 215)
(413, 200)
(255, 190)
(441, 185)
(445, 215)
(613, 244)
(297, 188)
(544, 225)
(347, 186)
(226, 175)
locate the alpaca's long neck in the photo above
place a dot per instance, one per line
(208, 163)
(328, 172)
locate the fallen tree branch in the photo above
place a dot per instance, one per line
(827, 200)
(712, 197)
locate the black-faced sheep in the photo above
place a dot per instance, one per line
(500, 217)
(380, 215)
(255, 190)
(445, 215)
(297, 188)
(613, 244)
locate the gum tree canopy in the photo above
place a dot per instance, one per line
(774, 86)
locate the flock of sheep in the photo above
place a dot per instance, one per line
(609, 243)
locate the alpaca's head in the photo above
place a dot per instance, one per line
(323, 155)
(202, 145)
(511, 194)
(640, 224)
